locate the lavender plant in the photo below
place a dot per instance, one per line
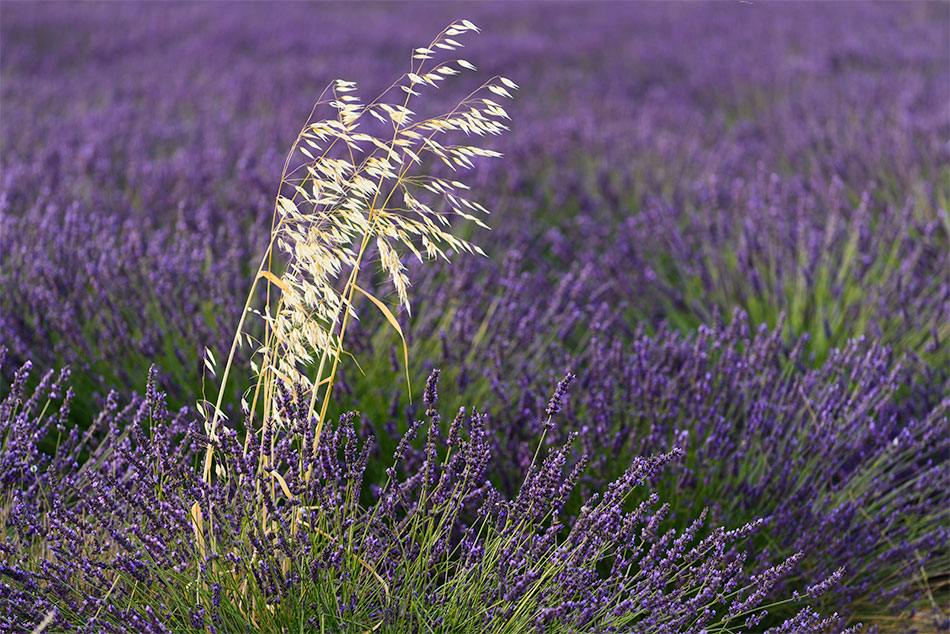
(822, 453)
(109, 545)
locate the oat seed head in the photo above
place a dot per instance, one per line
(395, 190)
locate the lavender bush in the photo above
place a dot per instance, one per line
(821, 453)
(110, 546)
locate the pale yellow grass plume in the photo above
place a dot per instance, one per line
(353, 191)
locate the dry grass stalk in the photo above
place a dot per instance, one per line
(354, 192)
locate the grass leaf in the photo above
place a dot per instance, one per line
(395, 324)
(276, 281)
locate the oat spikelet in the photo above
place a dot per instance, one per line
(351, 192)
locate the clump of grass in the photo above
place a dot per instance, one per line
(355, 192)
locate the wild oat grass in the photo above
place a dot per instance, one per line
(344, 193)
(354, 192)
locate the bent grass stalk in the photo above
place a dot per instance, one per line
(311, 315)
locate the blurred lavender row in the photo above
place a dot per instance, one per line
(141, 148)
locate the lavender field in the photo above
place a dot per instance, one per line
(691, 373)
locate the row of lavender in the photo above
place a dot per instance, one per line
(448, 551)
(774, 487)
(672, 164)
(141, 152)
